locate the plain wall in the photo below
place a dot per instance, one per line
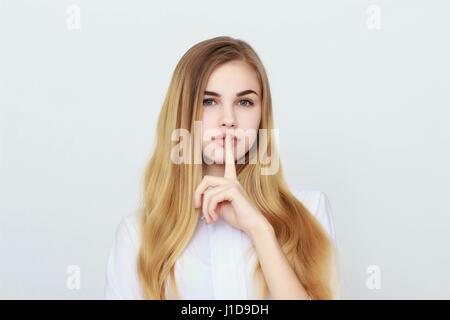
(362, 115)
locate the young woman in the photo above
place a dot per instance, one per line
(221, 227)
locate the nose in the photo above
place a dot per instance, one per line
(228, 117)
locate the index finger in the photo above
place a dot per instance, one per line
(230, 169)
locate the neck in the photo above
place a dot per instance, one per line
(216, 170)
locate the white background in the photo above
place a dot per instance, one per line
(362, 115)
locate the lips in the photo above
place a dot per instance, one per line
(220, 140)
(221, 137)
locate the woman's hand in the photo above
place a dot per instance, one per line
(225, 197)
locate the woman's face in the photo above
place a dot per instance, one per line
(231, 104)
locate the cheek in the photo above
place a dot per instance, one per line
(208, 124)
(251, 121)
(207, 120)
(252, 117)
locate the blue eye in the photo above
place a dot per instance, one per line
(208, 102)
(242, 103)
(249, 103)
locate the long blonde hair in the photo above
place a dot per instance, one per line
(169, 218)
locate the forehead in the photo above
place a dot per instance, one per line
(233, 77)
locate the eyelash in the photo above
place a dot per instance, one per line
(250, 103)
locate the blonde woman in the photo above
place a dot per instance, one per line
(221, 227)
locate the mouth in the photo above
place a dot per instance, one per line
(220, 139)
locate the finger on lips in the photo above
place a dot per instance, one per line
(210, 187)
(230, 169)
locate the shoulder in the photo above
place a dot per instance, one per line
(122, 281)
(127, 234)
(129, 227)
(319, 204)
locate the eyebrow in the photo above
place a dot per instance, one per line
(242, 93)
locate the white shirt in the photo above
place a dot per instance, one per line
(212, 266)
